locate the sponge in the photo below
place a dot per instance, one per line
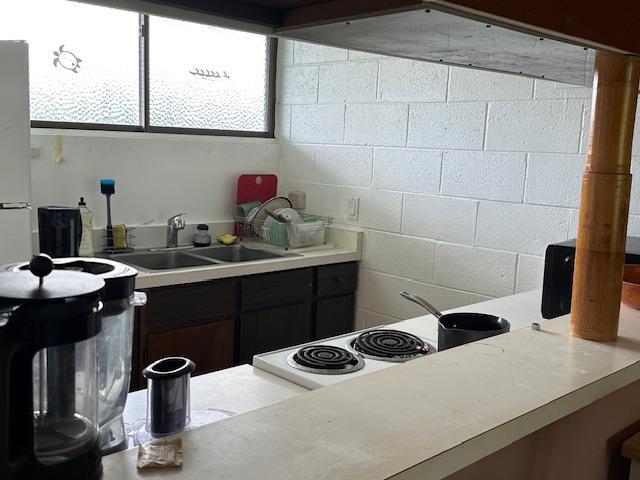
(119, 236)
(107, 186)
(227, 238)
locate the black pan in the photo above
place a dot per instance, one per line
(456, 329)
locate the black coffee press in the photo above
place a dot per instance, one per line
(49, 322)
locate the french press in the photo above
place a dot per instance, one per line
(48, 373)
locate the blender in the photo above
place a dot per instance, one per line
(114, 343)
(49, 323)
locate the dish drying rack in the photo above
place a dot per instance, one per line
(108, 241)
(310, 231)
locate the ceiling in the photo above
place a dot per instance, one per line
(553, 39)
(590, 23)
(283, 3)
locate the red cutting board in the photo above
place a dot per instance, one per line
(256, 186)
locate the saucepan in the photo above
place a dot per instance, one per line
(458, 328)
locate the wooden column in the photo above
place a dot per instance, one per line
(604, 201)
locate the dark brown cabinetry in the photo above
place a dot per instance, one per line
(220, 323)
(334, 316)
(272, 329)
(209, 345)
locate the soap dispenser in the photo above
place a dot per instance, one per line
(86, 242)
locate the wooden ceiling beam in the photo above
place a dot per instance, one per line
(612, 26)
(235, 10)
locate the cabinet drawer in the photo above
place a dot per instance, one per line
(191, 303)
(210, 345)
(339, 279)
(275, 289)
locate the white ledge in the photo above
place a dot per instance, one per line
(70, 132)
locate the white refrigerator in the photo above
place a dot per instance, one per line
(15, 153)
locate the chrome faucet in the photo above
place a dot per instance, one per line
(175, 223)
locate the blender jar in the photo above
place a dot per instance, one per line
(115, 345)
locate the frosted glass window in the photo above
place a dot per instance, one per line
(206, 77)
(83, 60)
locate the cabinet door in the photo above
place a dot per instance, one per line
(209, 345)
(334, 316)
(339, 279)
(273, 329)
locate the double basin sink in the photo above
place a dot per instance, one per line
(195, 257)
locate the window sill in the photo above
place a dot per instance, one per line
(150, 136)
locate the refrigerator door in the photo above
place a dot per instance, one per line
(15, 159)
(15, 235)
(15, 153)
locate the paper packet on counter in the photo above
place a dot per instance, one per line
(161, 453)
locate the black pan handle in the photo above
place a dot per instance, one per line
(423, 303)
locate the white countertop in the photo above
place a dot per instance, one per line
(238, 390)
(423, 419)
(478, 398)
(344, 246)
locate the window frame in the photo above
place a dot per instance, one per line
(144, 32)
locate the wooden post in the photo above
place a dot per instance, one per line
(604, 201)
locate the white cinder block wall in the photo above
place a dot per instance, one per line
(464, 176)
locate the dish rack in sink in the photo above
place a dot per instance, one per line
(310, 231)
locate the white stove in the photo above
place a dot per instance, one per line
(343, 359)
(520, 310)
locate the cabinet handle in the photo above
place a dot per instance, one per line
(339, 280)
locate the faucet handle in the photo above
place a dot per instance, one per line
(176, 221)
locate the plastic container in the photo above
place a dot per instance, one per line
(168, 402)
(310, 232)
(86, 241)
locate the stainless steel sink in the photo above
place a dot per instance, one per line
(234, 253)
(163, 260)
(195, 257)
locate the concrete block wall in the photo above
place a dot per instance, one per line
(464, 176)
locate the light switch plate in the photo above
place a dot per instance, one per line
(353, 208)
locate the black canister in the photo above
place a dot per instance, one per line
(59, 231)
(168, 403)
